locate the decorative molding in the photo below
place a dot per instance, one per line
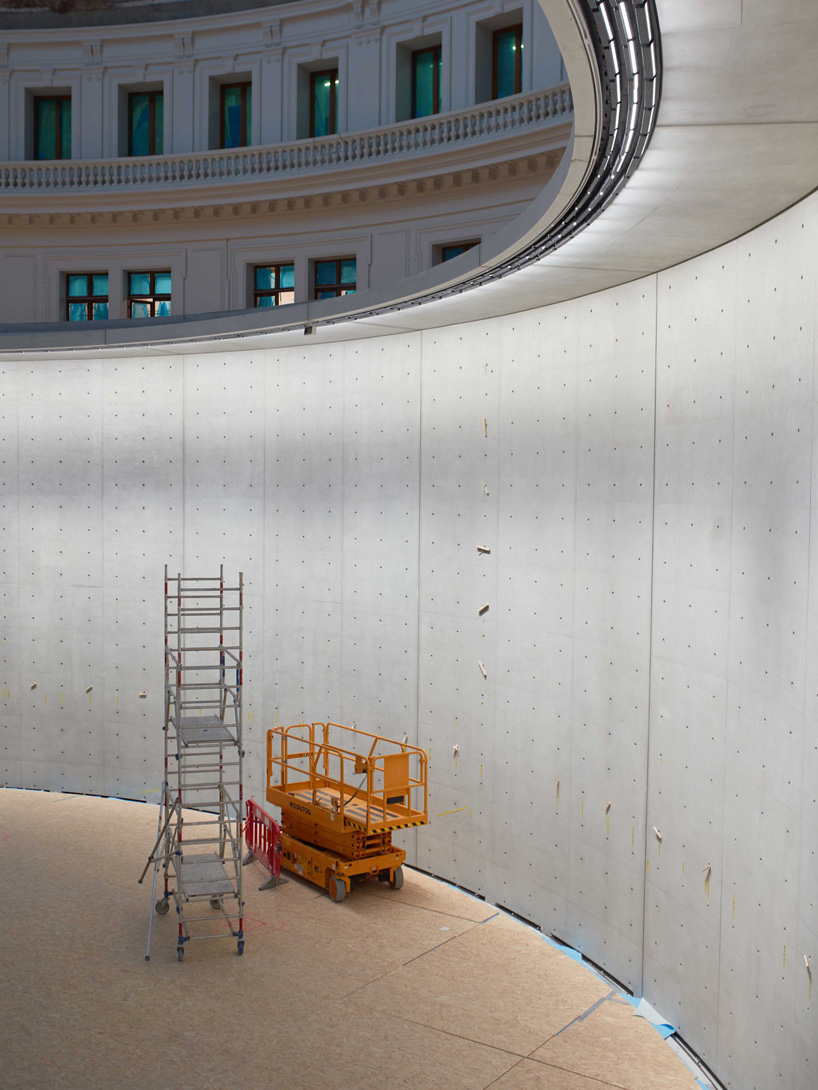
(411, 188)
(91, 53)
(271, 33)
(183, 45)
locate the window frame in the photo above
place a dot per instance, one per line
(437, 52)
(89, 299)
(333, 101)
(518, 60)
(153, 297)
(245, 124)
(152, 132)
(265, 293)
(50, 98)
(339, 288)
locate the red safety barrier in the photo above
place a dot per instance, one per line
(263, 839)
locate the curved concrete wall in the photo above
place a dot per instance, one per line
(637, 770)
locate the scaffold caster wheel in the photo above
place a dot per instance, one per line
(162, 906)
(241, 947)
(396, 881)
(337, 889)
(180, 952)
(215, 902)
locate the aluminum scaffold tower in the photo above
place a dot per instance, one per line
(199, 855)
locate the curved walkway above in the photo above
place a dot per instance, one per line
(735, 143)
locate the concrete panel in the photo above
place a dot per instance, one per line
(458, 502)
(381, 462)
(10, 728)
(224, 483)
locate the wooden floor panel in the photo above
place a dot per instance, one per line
(420, 988)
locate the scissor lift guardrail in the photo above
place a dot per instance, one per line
(200, 855)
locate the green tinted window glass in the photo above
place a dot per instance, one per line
(77, 312)
(47, 121)
(78, 285)
(159, 124)
(99, 284)
(140, 284)
(348, 272)
(324, 273)
(163, 283)
(52, 121)
(266, 301)
(325, 295)
(140, 124)
(237, 105)
(100, 311)
(287, 276)
(265, 277)
(324, 103)
(231, 104)
(426, 68)
(65, 127)
(163, 308)
(507, 46)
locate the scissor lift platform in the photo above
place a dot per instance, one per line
(342, 793)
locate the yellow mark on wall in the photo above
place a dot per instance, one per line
(252, 715)
(582, 809)
(458, 810)
(683, 867)
(481, 772)
(558, 796)
(45, 698)
(6, 692)
(660, 849)
(647, 865)
(785, 957)
(707, 884)
(117, 698)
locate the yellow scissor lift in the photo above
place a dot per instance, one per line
(342, 793)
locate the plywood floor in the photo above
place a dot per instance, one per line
(426, 988)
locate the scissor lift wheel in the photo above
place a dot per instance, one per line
(337, 889)
(396, 881)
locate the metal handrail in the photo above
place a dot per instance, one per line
(375, 799)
